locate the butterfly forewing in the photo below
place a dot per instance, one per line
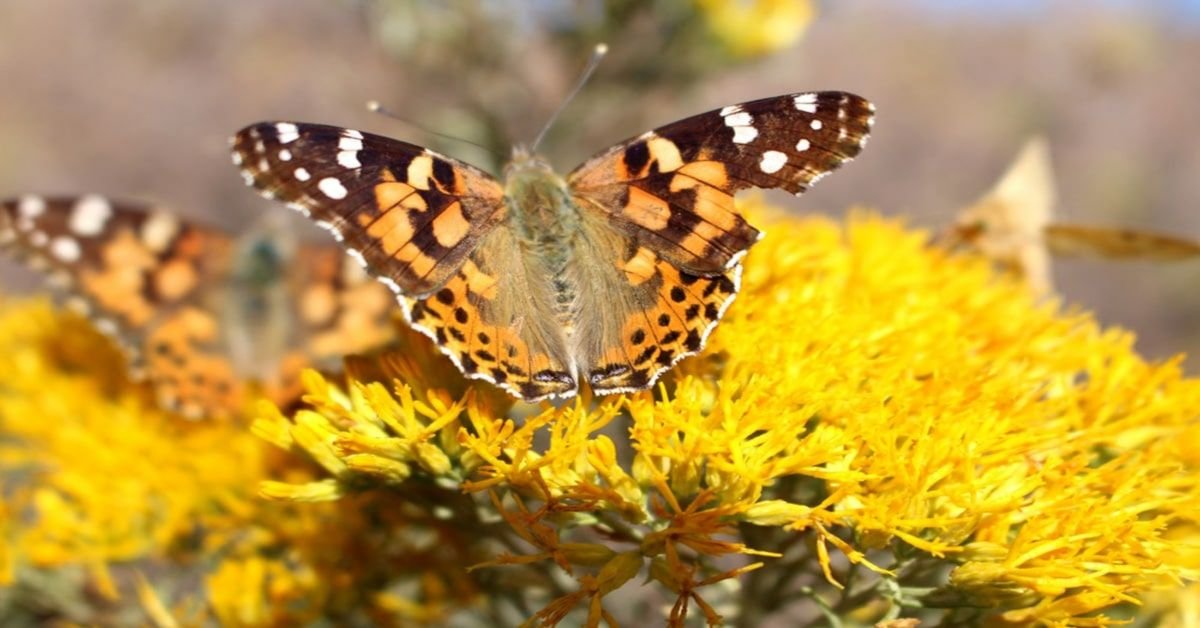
(673, 188)
(412, 215)
(415, 220)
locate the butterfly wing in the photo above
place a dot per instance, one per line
(1067, 240)
(413, 216)
(143, 276)
(427, 227)
(642, 314)
(317, 308)
(662, 204)
(672, 189)
(340, 308)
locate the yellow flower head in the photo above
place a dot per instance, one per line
(752, 28)
(883, 427)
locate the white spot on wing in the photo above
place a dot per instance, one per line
(89, 215)
(739, 119)
(803, 145)
(287, 132)
(772, 161)
(301, 174)
(65, 249)
(806, 103)
(159, 231)
(299, 207)
(731, 109)
(744, 134)
(392, 285)
(815, 125)
(332, 188)
(333, 230)
(350, 143)
(349, 159)
(357, 256)
(351, 133)
(743, 126)
(285, 154)
(31, 206)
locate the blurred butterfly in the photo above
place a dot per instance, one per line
(1013, 224)
(199, 311)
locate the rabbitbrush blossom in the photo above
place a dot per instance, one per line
(878, 430)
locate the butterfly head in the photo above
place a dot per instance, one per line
(523, 158)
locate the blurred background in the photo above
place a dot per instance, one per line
(136, 100)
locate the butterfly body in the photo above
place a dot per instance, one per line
(606, 276)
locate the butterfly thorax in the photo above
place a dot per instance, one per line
(541, 209)
(546, 222)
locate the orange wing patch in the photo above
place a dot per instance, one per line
(685, 309)
(188, 372)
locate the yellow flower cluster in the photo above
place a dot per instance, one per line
(877, 430)
(752, 28)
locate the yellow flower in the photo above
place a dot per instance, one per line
(866, 393)
(114, 479)
(880, 426)
(751, 28)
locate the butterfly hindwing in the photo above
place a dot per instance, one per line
(643, 314)
(496, 319)
(412, 215)
(673, 188)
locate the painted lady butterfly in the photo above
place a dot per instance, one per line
(611, 274)
(197, 310)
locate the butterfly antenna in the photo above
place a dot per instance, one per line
(375, 107)
(598, 53)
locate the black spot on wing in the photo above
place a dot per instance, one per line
(637, 155)
(444, 175)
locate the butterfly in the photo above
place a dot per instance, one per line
(197, 310)
(609, 275)
(1013, 224)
